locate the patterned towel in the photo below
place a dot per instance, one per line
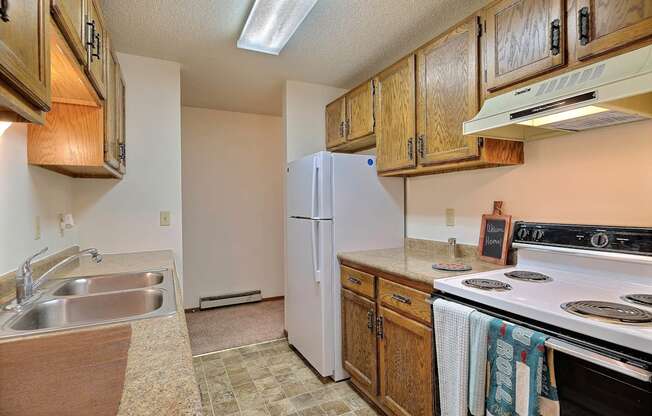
(452, 340)
(479, 324)
(520, 372)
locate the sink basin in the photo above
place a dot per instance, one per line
(109, 283)
(67, 312)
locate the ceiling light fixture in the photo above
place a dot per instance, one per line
(271, 23)
(4, 125)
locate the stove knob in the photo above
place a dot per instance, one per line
(537, 235)
(523, 233)
(599, 240)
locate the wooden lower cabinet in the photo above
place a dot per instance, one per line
(388, 351)
(405, 364)
(359, 340)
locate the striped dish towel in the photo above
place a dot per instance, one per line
(452, 340)
(479, 323)
(519, 372)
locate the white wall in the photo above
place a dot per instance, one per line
(26, 192)
(123, 216)
(233, 172)
(303, 117)
(595, 177)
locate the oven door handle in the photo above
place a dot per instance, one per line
(598, 359)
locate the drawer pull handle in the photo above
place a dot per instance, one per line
(354, 280)
(402, 299)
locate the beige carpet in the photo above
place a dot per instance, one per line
(235, 326)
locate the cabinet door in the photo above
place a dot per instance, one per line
(360, 111)
(110, 130)
(335, 120)
(605, 25)
(70, 16)
(447, 95)
(359, 340)
(395, 116)
(120, 119)
(96, 48)
(25, 50)
(406, 372)
(525, 38)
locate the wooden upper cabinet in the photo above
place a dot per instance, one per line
(111, 156)
(70, 16)
(25, 51)
(96, 48)
(335, 122)
(524, 38)
(406, 356)
(359, 340)
(360, 111)
(605, 25)
(447, 95)
(395, 116)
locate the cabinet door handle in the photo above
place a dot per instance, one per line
(583, 25)
(341, 129)
(98, 38)
(421, 143)
(354, 280)
(370, 320)
(401, 298)
(379, 327)
(4, 10)
(410, 148)
(555, 37)
(347, 128)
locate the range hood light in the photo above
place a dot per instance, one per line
(271, 24)
(566, 115)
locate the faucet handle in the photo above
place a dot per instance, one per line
(26, 267)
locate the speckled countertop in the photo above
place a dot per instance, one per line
(414, 261)
(159, 378)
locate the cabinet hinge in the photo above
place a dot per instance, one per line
(379, 327)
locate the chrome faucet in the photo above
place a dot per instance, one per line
(26, 286)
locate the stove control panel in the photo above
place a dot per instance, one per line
(630, 240)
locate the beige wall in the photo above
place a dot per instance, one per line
(233, 171)
(25, 193)
(601, 177)
(123, 216)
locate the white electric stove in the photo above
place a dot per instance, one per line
(589, 289)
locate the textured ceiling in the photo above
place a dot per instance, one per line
(340, 43)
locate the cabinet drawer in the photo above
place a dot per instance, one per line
(404, 299)
(357, 281)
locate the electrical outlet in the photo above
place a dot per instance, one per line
(165, 218)
(450, 217)
(37, 228)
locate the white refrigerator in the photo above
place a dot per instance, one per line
(335, 202)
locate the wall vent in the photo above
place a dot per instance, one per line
(570, 81)
(208, 302)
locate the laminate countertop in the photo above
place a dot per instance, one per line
(159, 378)
(414, 261)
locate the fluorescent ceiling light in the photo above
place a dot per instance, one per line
(566, 115)
(271, 23)
(4, 125)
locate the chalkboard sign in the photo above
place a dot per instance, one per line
(494, 238)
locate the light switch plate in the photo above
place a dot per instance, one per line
(165, 218)
(450, 217)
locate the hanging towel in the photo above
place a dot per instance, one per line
(452, 340)
(479, 329)
(549, 400)
(517, 359)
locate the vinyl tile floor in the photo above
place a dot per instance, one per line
(269, 379)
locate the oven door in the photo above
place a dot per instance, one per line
(590, 382)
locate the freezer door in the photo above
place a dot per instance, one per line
(308, 300)
(309, 187)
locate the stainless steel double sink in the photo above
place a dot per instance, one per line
(93, 300)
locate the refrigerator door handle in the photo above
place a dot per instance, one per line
(315, 252)
(315, 186)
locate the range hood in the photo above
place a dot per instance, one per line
(614, 91)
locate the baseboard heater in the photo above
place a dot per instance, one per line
(209, 302)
